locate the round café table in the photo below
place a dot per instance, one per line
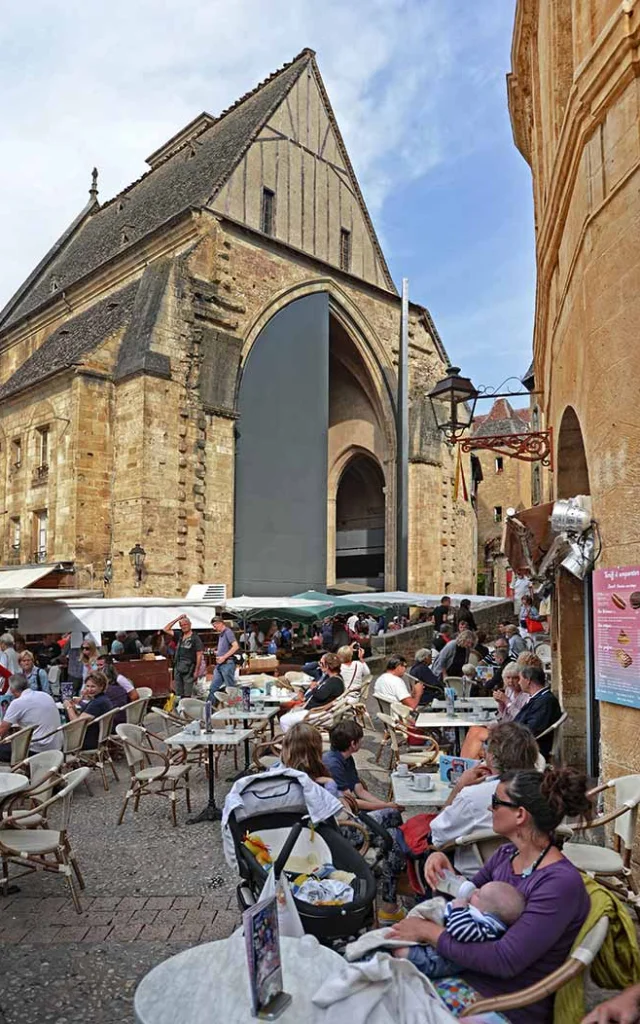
(11, 784)
(211, 983)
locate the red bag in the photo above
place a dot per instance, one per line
(416, 832)
(534, 626)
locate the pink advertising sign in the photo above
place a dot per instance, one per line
(616, 610)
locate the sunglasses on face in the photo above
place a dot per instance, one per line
(497, 802)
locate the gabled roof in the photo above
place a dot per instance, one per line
(66, 346)
(502, 419)
(188, 176)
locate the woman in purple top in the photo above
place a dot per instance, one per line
(527, 807)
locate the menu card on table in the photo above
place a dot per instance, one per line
(262, 944)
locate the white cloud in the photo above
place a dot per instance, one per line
(107, 83)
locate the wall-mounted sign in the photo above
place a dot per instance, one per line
(616, 610)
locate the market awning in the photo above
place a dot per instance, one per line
(296, 608)
(527, 537)
(335, 605)
(110, 614)
(26, 576)
(395, 598)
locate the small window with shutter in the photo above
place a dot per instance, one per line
(345, 249)
(267, 219)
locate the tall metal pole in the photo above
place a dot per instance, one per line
(402, 434)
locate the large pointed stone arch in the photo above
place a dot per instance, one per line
(289, 431)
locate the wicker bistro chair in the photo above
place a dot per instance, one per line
(416, 758)
(72, 735)
(191, 708)
(43, 772)
(266, 754)
(135, 711)
(144, 692)
(556, 729)
(20, 741)
(577, 963)
(101, 757)
(44, 849)
(164, 780)
(612, 867)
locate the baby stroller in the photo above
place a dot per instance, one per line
(278, 807)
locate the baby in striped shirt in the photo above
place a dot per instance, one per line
(483, 915)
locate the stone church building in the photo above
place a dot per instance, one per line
(206, 365)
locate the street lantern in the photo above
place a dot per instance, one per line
(453, 401)
(137, 556)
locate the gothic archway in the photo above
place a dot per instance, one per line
(360, 523)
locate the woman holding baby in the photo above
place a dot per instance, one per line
(527, 807)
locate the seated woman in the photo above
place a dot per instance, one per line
(107, 665)
(510, 700)
(91, 704)
(37, 677)
(302, 751)
(353, 669)
(527, 807)
(318, 694)
(468, 809)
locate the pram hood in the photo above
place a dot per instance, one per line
(281, 789)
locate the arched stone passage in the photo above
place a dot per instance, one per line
(571, 607)
(360, 523)
(312, 394)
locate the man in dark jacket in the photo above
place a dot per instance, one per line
(542, 708)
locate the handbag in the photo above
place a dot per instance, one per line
(534, 626)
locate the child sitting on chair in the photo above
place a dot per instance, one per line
(481, 915)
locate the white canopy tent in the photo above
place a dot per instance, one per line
(143, 614)
(389, 599)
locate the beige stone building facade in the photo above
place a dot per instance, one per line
(574, 98)
(127, 355)
(506, 483)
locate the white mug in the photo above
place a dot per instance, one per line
(423, 781)
(229, 727)
(403, 770)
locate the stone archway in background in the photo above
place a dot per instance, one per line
(360, 523)
(571, 605)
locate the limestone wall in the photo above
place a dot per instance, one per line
(586, 171)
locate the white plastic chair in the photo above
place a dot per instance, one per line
(144, 692)
(44, 849)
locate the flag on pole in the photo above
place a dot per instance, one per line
(460, 481)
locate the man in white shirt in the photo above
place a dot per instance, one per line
(521, 585)
(352, 622)
(468, 808)
(392, 687)
(30, 708)
(8, 654)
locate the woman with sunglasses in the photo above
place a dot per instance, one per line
(527, 807)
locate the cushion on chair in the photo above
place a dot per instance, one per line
(176, 771)
(37, 841)
(598, 859)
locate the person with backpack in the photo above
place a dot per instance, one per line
(36, 677)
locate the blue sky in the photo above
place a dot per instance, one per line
(418, 87)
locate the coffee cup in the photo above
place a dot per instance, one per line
(403, 770)
(423, 781)
(229, 727)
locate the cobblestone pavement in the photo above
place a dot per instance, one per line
(151, 891)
